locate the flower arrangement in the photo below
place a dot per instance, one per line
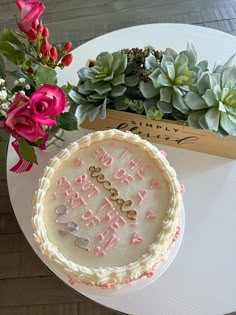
(158, 84)
(34, 106)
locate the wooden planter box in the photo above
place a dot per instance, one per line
(166, 132)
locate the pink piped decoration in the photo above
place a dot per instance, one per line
(136, 238)
(177, 233)
(77, 162)
(182, 188)
(54, 196)
(155, 185)
(113, 144)
(71, 281)
(150, 215)
(163, 153)
(99, 252)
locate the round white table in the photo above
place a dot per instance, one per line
(202, 278)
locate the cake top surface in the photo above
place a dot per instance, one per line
(108, 200)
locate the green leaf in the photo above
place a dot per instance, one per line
(118, 90)
(194, 101)
(26, 150)
(193, 119)
(131, 81)
(13, 53)
(11, 47)
(148, 90)
(212, 118)
(67, 121)
(44, 75)
(2, 68)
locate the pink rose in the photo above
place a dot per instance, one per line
(30, 12)
(47, 102)
(19, 119)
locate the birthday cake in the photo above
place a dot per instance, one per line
(107, 209)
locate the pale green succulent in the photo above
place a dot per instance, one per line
(214, 105)
(172, 78)
(105, 78)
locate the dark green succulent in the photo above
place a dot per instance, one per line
(213, 106)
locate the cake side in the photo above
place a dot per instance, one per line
(113, 275)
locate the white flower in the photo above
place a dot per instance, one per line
(3, 95)
(5, 105)
(2, 81)
(16, 82)
(22, 80)
(27, 86)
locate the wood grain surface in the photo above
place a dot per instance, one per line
(27, 287)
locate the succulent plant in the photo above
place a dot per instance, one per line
(213, 106)
(105, 77)
(171, 79)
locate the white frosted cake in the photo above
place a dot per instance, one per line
(107, 209)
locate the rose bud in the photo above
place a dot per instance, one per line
(30, 70)
(54, 54)
(44, 47)
(39, 28)
(67, 46)
(45, 32)
(67, 59)
(31, 35)
(47, 54)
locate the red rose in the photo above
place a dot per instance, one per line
(19, 119)
(47, 102)
(31, 10)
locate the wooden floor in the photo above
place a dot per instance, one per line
(27, 287)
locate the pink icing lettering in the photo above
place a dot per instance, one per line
(106, 159)
(90, 217)
(61, 181)
(155, 185)
(99, 251)
(103, 156)
(125, 152)
(95, 191)
(112, 241)
(77, 162)
(134, 224)
(107, 204)
(79, 180)
(140, 173)
(64, 185)
(123, 176)
(134, 162)
(115, 224)
(140, 196)
(110, 214)
(54, 196)
(76, 201)
(87, 186)
(102, 235)
(136, 238)
(150, 215)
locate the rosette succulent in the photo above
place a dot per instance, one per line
(105, 77)
(103, 80)
(213, 106)
(171, 79)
